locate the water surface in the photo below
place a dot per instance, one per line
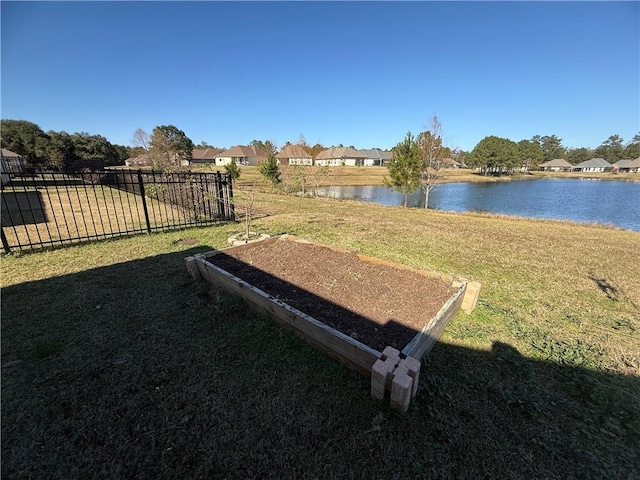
(608, 202)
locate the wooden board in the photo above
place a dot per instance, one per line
(425, 340)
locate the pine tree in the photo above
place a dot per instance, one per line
(270, 170)
(405, 169)
(233, 169)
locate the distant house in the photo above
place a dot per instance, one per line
(594, 165)
(339, 156)
(241, 154)
(556, 165)
(376, 158)
(627, 166)
(294, 155)
(142, 160)
(450, 163)
(9, 162)
(12, 161)
(204, 155)
(145, 160)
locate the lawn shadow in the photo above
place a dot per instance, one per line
(605, 287)
(22, 208)
(135, 370)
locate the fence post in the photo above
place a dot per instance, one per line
(232, 212)
(5, 243)
(144, 201)
(220, 195)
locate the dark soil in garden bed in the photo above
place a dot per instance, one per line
(378, 305)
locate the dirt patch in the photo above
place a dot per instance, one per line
(378, 305)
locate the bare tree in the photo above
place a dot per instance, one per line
(431, 151)
(287, 178)
(248, 194)
(318, 175)
(303, 142)
(141, 139)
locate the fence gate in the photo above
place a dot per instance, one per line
(45, 209)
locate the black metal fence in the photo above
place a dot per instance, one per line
(46, 209)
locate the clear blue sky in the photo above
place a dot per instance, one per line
(359, 73)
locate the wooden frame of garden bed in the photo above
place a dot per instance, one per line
(389, 368)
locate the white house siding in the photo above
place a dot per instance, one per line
(372, 162)
(222, 161)
(338, 162)
(300, 161)
(330, 162)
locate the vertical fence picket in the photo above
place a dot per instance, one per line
(231, 213)
(5, 243)
(144, 201)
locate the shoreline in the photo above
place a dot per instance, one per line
(369, 176)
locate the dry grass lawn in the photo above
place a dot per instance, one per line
(116, 364)
(93, 212)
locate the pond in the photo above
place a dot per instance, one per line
(608, 202)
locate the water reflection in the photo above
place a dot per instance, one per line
(581, 200)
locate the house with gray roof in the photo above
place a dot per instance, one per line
(205, 155)
(450, 163)
(10, 162)
(12, 159)
(376, 158)
(142, 160)
(593, 165)
(242, 155)
(294, 155)
(556, 165)
(627, 166)
(339, 156)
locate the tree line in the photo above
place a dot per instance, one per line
(59, 150)
(168, 145)
(501, 155)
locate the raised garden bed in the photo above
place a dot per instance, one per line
(374, 316)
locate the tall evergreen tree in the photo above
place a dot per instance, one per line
(551, 146)
(612, 149)
(579, 155)
(632, 149)
(405, 169)
(270, 170)
(494, 155)
(233, 169)
(530, 154)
